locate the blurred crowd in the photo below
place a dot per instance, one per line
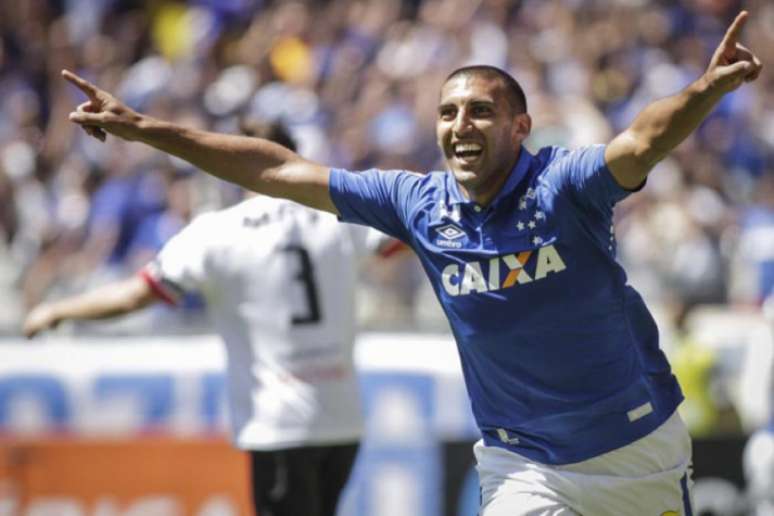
(356, 82)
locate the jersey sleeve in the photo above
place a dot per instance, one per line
(586, 175)
(180, 266)
(377, 198)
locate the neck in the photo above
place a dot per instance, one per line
(484, 193)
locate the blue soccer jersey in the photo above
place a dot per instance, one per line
(560, 356)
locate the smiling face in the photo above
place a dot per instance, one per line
(480, 133)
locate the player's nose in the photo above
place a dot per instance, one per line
(462, 123)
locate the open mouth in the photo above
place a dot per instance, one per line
(467, 152)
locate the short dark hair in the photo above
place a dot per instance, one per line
(274, 131)
(513, 90)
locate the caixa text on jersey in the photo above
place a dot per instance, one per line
(501, 272)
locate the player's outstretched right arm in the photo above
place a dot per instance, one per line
(253, 163)
(105, 302)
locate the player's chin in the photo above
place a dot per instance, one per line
(465, 176)
(469, 167)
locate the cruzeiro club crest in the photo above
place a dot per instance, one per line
(449, 236)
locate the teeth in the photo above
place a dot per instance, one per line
(467, 147)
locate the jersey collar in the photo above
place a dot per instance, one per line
(516, 175)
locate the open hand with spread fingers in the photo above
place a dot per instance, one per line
(102, 113)
(732, 63)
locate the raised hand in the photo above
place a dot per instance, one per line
(102, 112)
(732, 63)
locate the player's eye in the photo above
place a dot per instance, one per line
(482, 111)
(447, 113)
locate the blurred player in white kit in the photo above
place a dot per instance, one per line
(759, 452)
(278, 279)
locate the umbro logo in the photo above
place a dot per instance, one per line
(450, 235)
(451, 232)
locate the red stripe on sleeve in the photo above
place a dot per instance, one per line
(392, 247)
(157, 288)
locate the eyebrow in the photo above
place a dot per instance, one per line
(483, 102)
(474, 102)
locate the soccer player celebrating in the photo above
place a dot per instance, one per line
(575, 401)
(279, 282)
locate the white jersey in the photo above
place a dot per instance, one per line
(279, 281)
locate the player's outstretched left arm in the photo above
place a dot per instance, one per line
(662, 125)
(253, 163)
(113, 300)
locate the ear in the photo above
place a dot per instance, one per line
(522, 126)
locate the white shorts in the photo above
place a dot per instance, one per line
(649, 477)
